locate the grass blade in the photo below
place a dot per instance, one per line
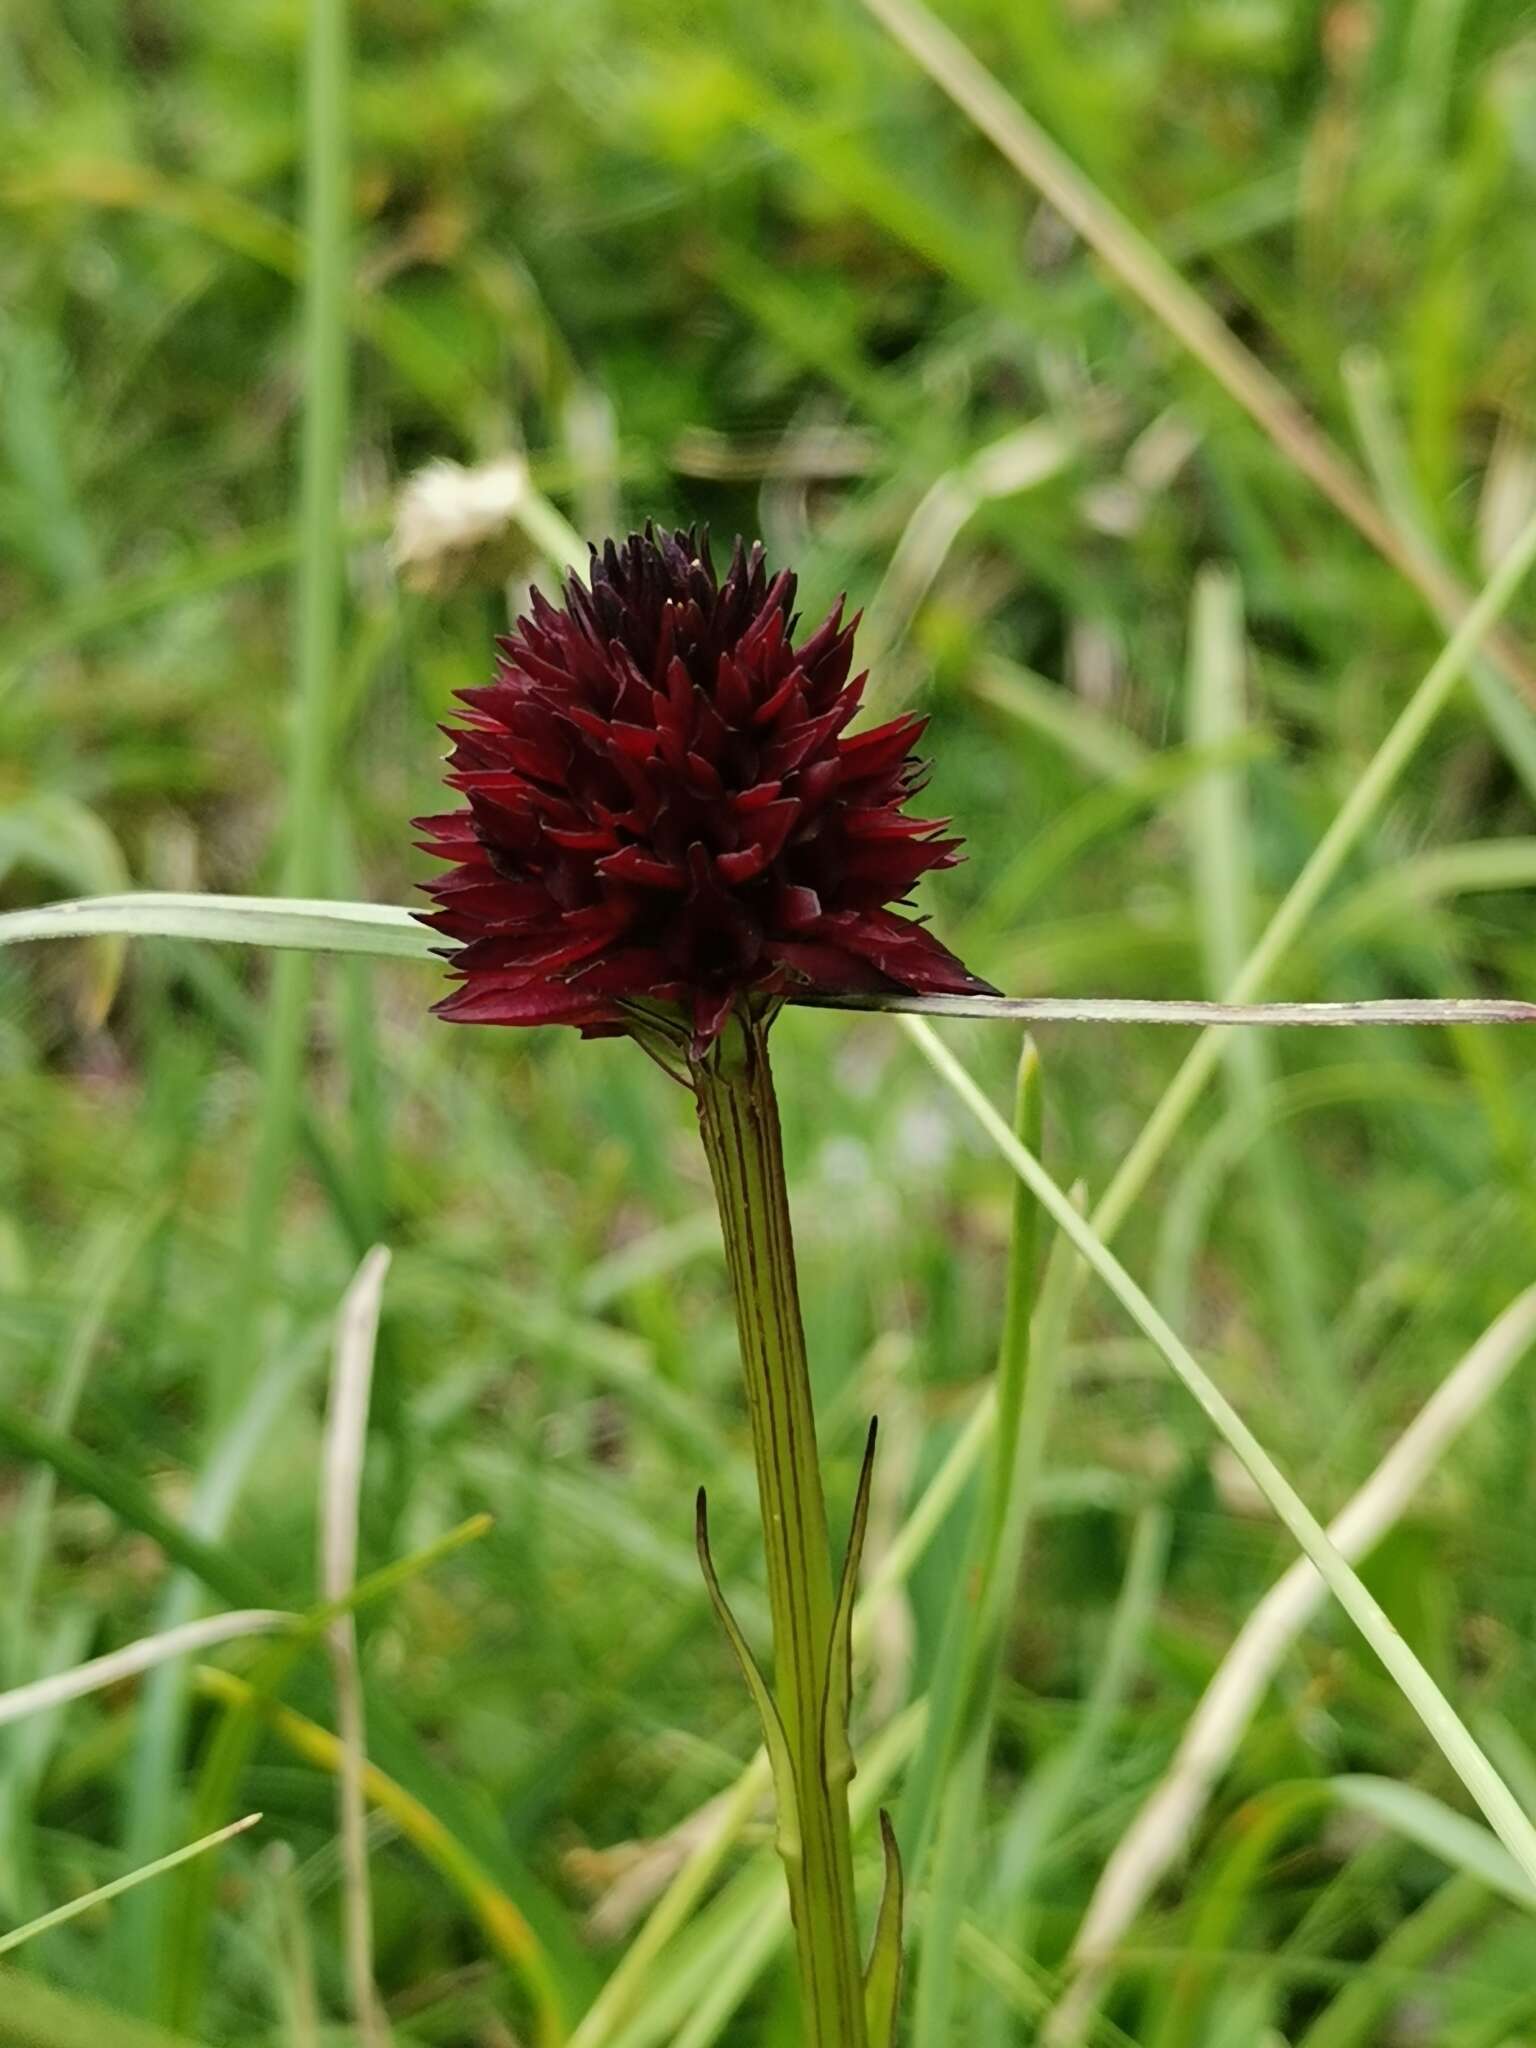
(151, 1772)
(318, 597)
(88, 1901)
(387, 932)
(1146, 273)
(346, 1431)
(36, 2015)
(229, 1749)
(1221, 880)
(1349, 826)
(957, 1677)
(1173, 1810)
(1368, 391)
(1353, 2019)
(1451, 1836)
(505, 1927)
(219, 1568)
(1505, 1815)
(80, 1680)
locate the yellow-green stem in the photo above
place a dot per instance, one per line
(739, 1121)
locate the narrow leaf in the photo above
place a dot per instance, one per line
(786, 1796)
(219, 1568)
(1457, 1840)
(100, 1896)
(882, 1975)
(973, 1627)
(1500, 1808)
(836, 1753)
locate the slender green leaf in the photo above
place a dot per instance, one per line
(1504, 1813)
(103, 1893)
(882, 1975)
(785, 1791)
(837, 1753)
(1457, 1841)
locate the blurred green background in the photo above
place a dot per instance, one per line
(749, 266)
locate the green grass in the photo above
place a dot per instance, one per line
(753, 266)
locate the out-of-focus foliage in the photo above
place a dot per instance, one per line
(744, 264)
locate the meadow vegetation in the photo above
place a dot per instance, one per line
(754, 266)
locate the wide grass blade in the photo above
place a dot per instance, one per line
(229, 1750)
(1063, 1781)
(1451, 1836)
(1368, 390)
(1354, 2018)
(38, 2015)
(216, 1565)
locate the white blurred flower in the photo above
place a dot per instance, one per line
(455, 525)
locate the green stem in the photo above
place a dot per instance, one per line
(739, 1121)
(319, 590)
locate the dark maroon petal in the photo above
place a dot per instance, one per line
(742, 867)
(635, 971)
(908, 954)
(829, 967)
(710, 1010)
(547, 1003)
(634, 864)
(796, 908)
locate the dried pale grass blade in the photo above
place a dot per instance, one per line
(302, 924)
(346, 1430)
(1444, 1012)
(386, 931)
(134, 1658)
(626, 1880)
(1163, 1827)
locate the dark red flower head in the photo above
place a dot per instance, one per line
(664, 803)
